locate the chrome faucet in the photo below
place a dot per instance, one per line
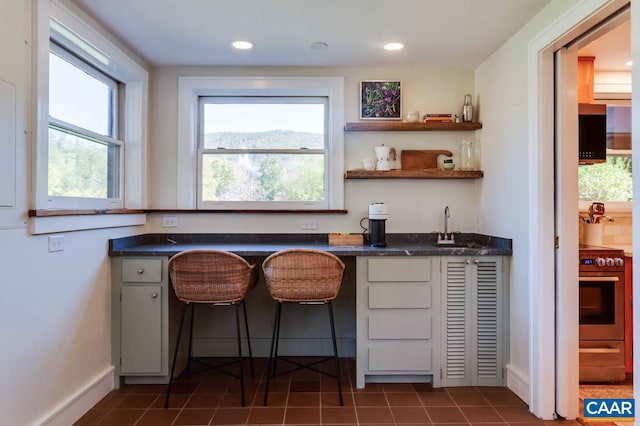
(447, 215)
(446, 238)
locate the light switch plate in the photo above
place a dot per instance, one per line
(56, 243)
(308, 224)
(169, 222)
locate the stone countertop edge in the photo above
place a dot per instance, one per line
(264, 244)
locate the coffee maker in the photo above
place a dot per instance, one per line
(378, 215)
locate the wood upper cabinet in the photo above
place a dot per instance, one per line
(585, 79)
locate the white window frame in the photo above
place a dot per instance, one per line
(111, 138)
(261, 205)
(54, 21)
(190, 89)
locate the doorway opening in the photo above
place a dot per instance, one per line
(593, 82)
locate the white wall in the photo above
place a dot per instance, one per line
(415, 205)
(502, 84)
(54, 307)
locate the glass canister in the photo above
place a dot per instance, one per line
(466, 155)
(477, 155)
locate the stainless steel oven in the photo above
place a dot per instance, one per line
(601, 314)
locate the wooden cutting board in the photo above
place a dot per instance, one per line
(421, 159)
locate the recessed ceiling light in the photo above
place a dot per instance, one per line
(243, 45)
(318, 45)
(630, 63)
(394, 46)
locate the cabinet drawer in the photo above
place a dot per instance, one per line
(400, 324)
(399, 296)
(142, 270)
(398, 270)
(400, 357)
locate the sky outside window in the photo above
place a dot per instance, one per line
(78, 98)
(250, 117)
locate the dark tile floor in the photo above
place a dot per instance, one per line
(305, 397)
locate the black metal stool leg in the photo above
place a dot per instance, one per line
(335, 351)
(237, 308)
(276, 326)
(275, 353)
(175, 355)
(193, 314)
(246, 326)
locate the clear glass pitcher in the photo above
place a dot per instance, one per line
(466, 155)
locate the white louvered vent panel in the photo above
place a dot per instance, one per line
(456, 321)
(487, 320)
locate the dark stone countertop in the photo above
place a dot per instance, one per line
(467, 244)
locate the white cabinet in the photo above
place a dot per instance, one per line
(141, 305)
(398, 320)
(473, 305)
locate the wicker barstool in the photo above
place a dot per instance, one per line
(302, 276)
(216, 278)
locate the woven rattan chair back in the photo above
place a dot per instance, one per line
(303, 275)
(211, 276)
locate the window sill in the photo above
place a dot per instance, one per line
(617, 207)
(80, 212)
(52, 221)
(89, 212)
(256, 211)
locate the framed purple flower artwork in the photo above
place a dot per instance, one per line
(380, 100)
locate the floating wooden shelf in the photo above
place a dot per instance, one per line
(394, 126)
(414, 174)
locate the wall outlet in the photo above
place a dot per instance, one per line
(169, 222)
(308, 224)
(56, 243)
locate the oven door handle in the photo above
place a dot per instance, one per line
(599, 350)
(609, 279)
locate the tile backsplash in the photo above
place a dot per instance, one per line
(616, 233)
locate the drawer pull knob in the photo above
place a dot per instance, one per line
(476, 261)
(468, 262)
(154, 295)
(140, 271)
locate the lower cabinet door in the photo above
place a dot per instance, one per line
(411, 356)
(472, 327)
(141, 332)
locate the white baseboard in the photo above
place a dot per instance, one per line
(518, 382)
(404, 378)
(74, 407)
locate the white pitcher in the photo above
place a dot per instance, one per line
(382, 152)
(383, 155)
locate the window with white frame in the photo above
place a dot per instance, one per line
(263, 150)
(260, 143)
(611, 181)
(84, 149)
(90, 137)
